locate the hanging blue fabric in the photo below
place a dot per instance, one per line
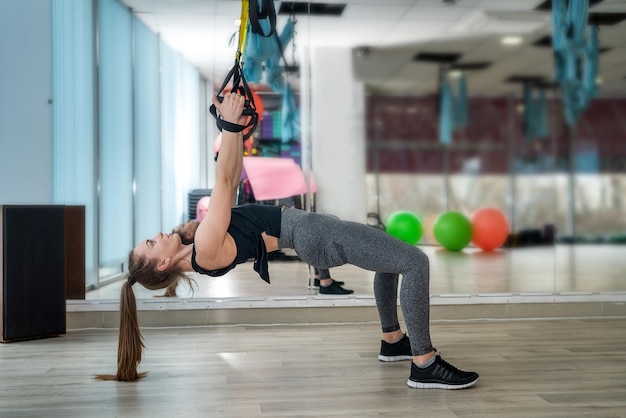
(259, 46)
(541, 115)
(258, 49)
(262, 15)
(573, 52)
(273, 70)
(576, 22)
(290, 116)
(265, 52)
(590, 83)
(559, 30)
(460, 104)
(446, 109)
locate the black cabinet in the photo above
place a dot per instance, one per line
(41, 248)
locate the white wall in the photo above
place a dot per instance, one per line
(338, 134)
(25, 114)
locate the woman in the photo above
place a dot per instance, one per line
(322, 281)
(228, 236)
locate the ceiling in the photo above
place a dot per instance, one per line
(387, 34)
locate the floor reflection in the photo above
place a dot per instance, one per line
(559, 269)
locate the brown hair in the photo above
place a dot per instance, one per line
(181, 234)
(130, 345)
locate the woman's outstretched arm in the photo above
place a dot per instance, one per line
(213, 247)
(237, 173)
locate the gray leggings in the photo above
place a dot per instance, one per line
(322, 273)
(325, 241)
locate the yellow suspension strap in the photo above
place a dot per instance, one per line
(239, 85)
(243, 29)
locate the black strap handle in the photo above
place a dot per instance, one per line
(267, 11)
(240, 86)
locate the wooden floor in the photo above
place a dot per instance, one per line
(574, 366)
(556, 368)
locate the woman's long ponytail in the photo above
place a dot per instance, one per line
(130, 344)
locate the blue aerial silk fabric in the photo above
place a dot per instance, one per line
(445, 113)
(460, 104)
(261, 50)
(573, 49)
(453, 111)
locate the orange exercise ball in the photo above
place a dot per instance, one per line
(490, 228)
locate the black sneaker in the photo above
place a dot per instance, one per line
(334, 289)
(440, 375)
(397, 351)
(316, 283)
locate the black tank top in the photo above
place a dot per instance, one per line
(247, 223)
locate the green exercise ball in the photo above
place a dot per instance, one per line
(405, 225)
(453, 230)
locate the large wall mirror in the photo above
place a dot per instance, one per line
(561, 187)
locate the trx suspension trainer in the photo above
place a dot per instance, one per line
(249, 9)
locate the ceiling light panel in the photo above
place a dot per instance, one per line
(511, 40)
